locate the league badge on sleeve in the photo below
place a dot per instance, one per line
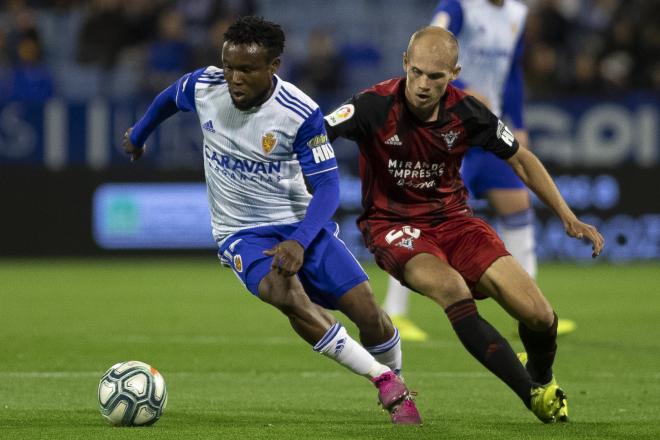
(268, 142)
(342, 114)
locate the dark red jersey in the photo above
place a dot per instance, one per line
(409, 168)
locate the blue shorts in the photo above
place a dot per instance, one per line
(483, 171)
(329, 269)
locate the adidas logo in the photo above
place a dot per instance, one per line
(208, 126)
(394, 140)
(340, 346)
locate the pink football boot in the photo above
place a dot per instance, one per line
(396, 399)
(405, 413)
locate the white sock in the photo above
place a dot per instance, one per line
(389, 353)
(338, 345)
(396, 300)
(517, 232)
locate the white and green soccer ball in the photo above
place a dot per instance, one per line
(132, 394)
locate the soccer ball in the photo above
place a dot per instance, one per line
(132, 394)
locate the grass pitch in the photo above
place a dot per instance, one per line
(235, 370)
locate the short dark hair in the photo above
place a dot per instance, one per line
(251, 29)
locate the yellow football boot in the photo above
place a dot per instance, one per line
(408, 331)
(562, 413)
(547, 403)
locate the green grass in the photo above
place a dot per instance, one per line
(235, 370)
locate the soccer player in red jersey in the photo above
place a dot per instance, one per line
(412, 134)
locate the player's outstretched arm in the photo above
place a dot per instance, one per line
(130, 149)
(536, 177)
(522, 136)
(178, 96)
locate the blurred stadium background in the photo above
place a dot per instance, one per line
(75, 74)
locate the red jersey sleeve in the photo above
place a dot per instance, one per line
(359, 117)
(486, 130)
(344, 121)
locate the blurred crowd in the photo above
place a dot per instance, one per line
(591, 47)
(130, 49)
(115, 48)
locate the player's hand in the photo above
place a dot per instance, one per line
(129, 148)
(287, 257)
(580, 230)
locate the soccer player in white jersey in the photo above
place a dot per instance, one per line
(261, 136)
(490, 34)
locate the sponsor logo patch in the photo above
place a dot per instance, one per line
(342, 114)
(323, 153)
(317, 141)
(504, 133)
(417, 174)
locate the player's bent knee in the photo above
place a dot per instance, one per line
(547, 317)
(359, 296)
(372, 319)
(360, 305)
(271, 288)
(544, 312)
(541, 319)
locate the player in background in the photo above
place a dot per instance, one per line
(412, 134)
(490, 34)
(261, 136)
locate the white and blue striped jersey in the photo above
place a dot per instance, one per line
(254, 160)
(490, 47)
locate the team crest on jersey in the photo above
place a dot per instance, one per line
(342, 114)
(268, 142)
(450, 138)
(238, 263)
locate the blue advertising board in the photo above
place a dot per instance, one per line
(568, 133)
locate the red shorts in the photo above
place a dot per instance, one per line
(468, 244)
